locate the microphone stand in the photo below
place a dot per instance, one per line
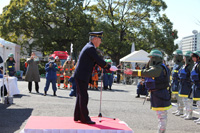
(100, 114)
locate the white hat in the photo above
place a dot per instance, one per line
(69, 58)
(56, 57)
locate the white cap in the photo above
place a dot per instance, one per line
(69, 58)
(56, 57)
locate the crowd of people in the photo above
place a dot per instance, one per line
(155, 79)
(54, 69)
(185, 85)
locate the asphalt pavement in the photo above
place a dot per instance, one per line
(119, 103)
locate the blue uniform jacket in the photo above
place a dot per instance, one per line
(51, 71)
(185, 84)
(160, 98)
(175, 78)
(87, 59)
(11, 67)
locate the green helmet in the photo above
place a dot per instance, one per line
(10, 55)
(178, 52)
(108, 60)
(155, 53)
(188, 58)
(188, 53)
(197, 53)
(178, 56)
(156, 59)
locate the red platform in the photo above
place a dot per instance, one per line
(45, 124)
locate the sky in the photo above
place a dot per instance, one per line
(184, 14)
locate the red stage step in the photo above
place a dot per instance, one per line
(45, 124)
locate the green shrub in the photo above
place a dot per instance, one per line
(42, 67)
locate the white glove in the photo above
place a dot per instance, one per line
(113, 68)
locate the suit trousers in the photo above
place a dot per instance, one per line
(30, 86)
(81, 111)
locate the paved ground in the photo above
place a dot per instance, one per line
(120, 103)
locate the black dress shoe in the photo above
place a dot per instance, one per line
(54, 93)
(138, 96)
(109, 87)
(90, 122)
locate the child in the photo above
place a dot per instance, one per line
(108, 77)
(51, 69)
(10, 65)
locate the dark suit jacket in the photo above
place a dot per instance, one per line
(87, 59)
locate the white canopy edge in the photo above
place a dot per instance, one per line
(140, 56)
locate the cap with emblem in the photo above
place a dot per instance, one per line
(96, 34)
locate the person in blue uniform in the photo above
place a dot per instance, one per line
(10, 65)
(178, 60)
(87, 59)
(51, 76)
(195, 77)
(73, 89)
(157, 81)
(141, 89)
(185, 85)
(108, 77)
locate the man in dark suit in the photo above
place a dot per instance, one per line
(87, 59)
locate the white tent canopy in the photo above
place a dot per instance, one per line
(140, 56)
(6, 48)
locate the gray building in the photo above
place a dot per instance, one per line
(191, 43)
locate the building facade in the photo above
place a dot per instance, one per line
(191, 43)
